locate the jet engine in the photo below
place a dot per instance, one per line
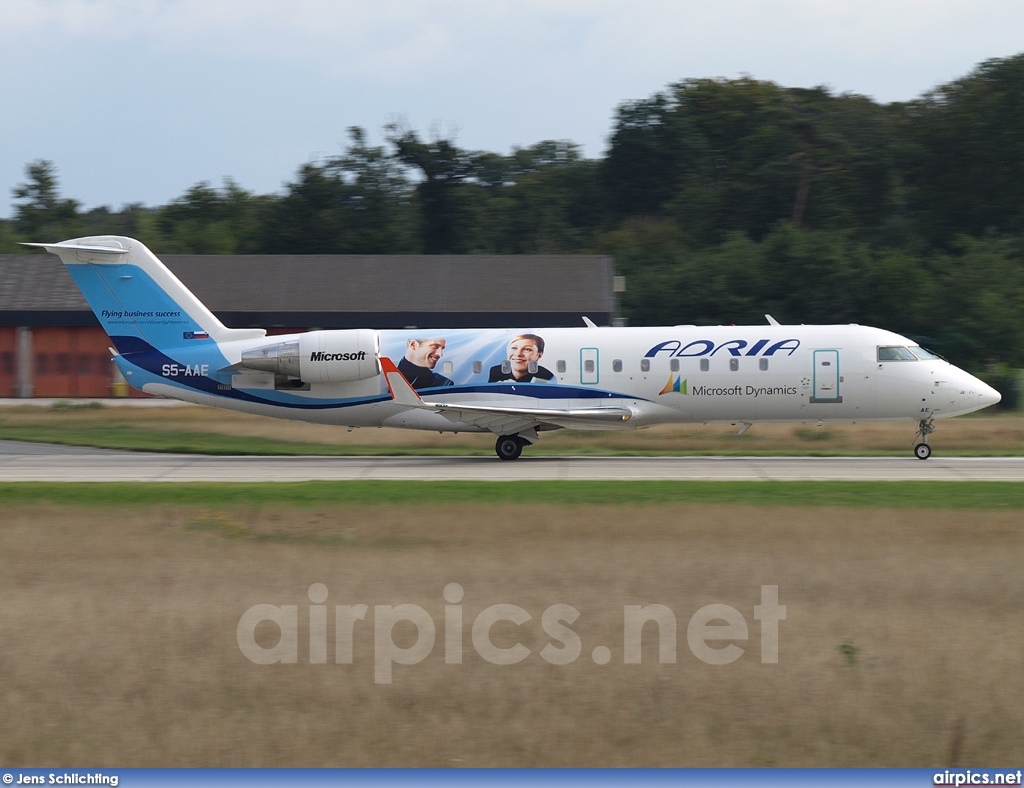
(320, 357)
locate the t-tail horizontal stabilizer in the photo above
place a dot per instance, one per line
(84, 253)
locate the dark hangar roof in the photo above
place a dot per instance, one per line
(344, 291)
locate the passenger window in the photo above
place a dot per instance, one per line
(588, 365)
(532, 367)
(645, 365)
(617, 365)
(448, 367)
(560, 366)
(478, 367)
(734, 364)
(763, 364)
(704, 365)
(674, 365)
(506, 367)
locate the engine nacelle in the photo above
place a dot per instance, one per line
(320, 356)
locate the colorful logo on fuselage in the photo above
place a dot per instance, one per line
(675, 384)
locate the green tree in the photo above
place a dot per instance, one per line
(978, 302)
(444, 213)
(542, 199)
(206, 220)
(741, 155)
(8, 239)
(658, 154)
(133, 220)
(356, 203)
(965, 153)
(309, 218)
(40, 212)
(376, 199)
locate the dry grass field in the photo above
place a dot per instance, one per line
(901, 647)
(986, 433)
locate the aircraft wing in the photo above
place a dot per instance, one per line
(503, 420)
(508, 421)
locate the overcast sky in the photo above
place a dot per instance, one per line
(137, 100)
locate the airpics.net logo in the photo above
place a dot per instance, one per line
(705, 627)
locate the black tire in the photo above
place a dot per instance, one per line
(509, 447)
(922, 451)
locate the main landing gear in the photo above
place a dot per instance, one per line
(925, 427)
(509, 447)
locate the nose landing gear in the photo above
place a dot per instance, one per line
(925, 427)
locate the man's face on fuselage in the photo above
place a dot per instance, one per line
(425, 352)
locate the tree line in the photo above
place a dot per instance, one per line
(719, 199)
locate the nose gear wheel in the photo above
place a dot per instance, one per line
(925, 427)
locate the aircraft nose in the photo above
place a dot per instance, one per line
(987, 395)
(973, 394)
(978, 394)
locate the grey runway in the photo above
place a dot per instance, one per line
(51, 463)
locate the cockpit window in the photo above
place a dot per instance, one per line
(923, 354)
(895, 353)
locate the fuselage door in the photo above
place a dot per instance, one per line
(826, 376)
(588, 366)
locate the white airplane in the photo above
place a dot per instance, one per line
(514, 384)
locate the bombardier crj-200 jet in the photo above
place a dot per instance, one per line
(510, 382)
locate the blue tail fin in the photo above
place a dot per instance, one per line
(138, 301)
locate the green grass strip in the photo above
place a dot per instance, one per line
(902, 495)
